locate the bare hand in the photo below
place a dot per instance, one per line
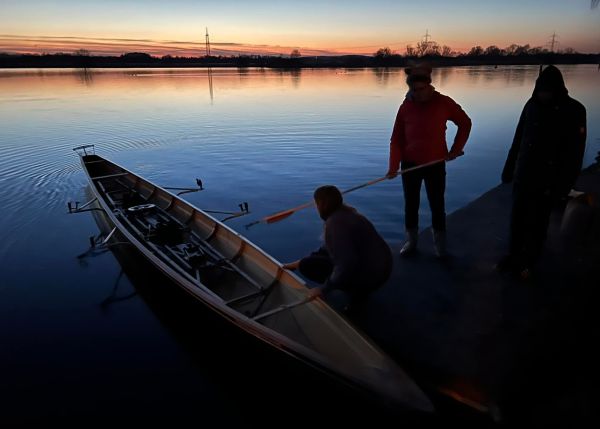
(454, 154)
(314, 293)
(391, 174)
(292, 266)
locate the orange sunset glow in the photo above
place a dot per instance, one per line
(276, 28)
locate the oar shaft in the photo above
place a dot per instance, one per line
(285, 213)
(364, 185)
(381, 179)
(300, 207)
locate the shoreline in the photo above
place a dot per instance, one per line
(465, 331)
(139, 60)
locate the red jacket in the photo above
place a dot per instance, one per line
(419, 134)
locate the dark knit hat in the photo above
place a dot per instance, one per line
(414, 78)
(418, 72)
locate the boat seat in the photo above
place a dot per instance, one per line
(199, 258)
(192, 253)
(141, 208)
(167, 233)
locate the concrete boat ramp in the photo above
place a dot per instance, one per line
(511, 351)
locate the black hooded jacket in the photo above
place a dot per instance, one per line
(549, 143)
(361, 258)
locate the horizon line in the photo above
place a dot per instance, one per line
(107, 46)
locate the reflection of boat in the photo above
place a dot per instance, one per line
(239, 281)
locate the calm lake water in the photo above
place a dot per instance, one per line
(79, 337)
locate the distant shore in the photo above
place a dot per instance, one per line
(142, 60)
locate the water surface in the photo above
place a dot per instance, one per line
(267, 137)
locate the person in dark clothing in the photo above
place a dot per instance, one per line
(544, 162)
(354, 258)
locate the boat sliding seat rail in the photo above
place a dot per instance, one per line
(145, 218)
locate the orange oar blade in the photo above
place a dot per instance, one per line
(279, 216)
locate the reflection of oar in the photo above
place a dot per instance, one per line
(276, 217)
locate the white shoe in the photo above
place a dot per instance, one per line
(410, 246)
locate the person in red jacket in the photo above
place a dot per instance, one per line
(419, 137)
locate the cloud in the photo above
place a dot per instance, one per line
(118, 46)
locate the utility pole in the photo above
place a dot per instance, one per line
(427, 36)
(553, 42)
(423, 46)
(207, 43)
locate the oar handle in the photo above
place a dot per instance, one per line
(427, 164)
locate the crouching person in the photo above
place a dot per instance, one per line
(354, 258)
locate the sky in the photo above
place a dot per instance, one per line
(177, 27)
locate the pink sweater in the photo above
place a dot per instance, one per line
(419, 134)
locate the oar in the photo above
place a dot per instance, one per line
(281, 215)
(276, 217)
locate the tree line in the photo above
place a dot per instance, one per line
(433, 49)
(384, 57)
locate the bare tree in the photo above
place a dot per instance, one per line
(522, 50)
(430, 47)
(410, 51)
(447, 51)
(384, 53)
(434, 49)
(511, 49)
(295, 54)
(537, 50)
(476, 51)
(492, 50)
(422, 48)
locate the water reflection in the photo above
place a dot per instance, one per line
(271, 139)
(115, 295)
(382, 76)
(210, 84)
(85, 76)
(518, 75)
(295, 75)
(442, 75)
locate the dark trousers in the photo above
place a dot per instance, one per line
(435, 185)
(318, 267)
(528, 225)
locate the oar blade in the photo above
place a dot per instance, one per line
(279, 216)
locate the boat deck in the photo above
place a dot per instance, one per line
(518, 348)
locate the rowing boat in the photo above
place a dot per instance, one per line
(242, 283)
